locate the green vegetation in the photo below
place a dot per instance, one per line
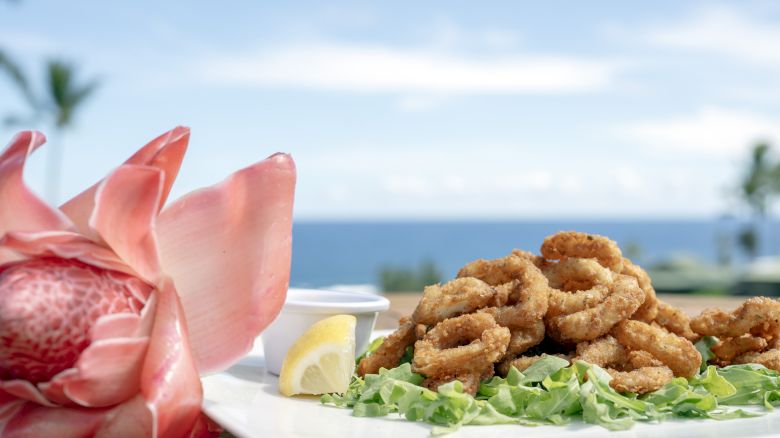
(759, 186)
(402, 279)
(62, 95)
(554, 392)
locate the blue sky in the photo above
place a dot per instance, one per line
(409, 110)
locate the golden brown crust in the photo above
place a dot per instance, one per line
(674, 351)
(728, 349)
(575, 244)
(754, 312)
(442, 351)
(648, 311)
(457, 297)
(769, 359)
(585, 325)
(676, 321)
(389, 354)
(641, 380)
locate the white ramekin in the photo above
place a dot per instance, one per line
(304, 307)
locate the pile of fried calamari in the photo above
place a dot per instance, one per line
(580, 300)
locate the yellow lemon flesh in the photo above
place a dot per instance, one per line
(322, 360)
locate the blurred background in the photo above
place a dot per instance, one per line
(428, 134)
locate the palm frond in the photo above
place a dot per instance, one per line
(65, 93)
(17, 76)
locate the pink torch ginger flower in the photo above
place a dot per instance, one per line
(111, 306)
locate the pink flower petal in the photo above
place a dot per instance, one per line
(24, 390)
(164, 152)
(169, 381)
(54, 390)
(228, 251)
(7, 256)
(116, 325)
(169, 399)
(21, 209)
(125, 212)
(9, 406)
(39, 421)
(109, 372)
(64, 244)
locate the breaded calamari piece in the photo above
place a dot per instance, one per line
(631, 371)
(457, 297)
(769, 359)
(524, 338)
(575, 244)
(528, 299)
(576, 274)
(497, 271)
(591, 323)
(728, 349)
(675, 320)
(640, 380)
(390, 352)
(648, 311)
(754, 312)
(462, 345)
(674, 351)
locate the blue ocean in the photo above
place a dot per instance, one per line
(331, 253)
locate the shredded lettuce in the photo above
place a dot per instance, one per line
(553, 392)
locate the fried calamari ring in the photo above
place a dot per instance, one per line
(769, 359)
(586, 277)
(631, 371)
(497, 271)
(576, 274)
(754, 312)
(676, 321)
(523, 362)
(442, 351)
(528, 299)
(392, 349)
(641, 358)
(604, 351)
(728, 349)
(674, 351)
(648, 311)
(539, 261)
(523, 338)
(564, 303)
(575, 244)
(640, 380)
(624, 298)
(457, 297)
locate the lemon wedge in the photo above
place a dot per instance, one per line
(322, 360)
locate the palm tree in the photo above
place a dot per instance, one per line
(760, 183)
(63, 95)
(18, 78)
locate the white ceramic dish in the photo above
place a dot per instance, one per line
(245, 400)
(304, 307)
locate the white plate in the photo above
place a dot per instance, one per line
(245, 400)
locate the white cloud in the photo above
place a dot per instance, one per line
(446, 34)
(627, 178)
(376, 68)
(414, 104)
(725, 31)
(504, 181)
(712, 130)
